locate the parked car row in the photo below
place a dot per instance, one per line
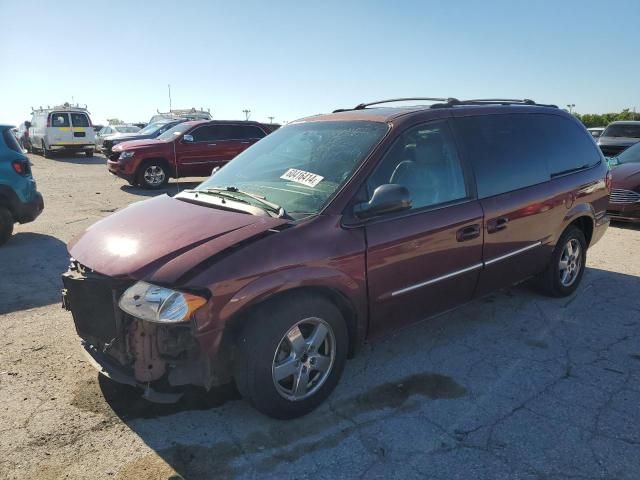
(331, 230)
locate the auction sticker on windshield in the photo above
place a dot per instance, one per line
(300, 176)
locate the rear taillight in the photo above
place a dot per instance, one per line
(21, 167)
(608, 179)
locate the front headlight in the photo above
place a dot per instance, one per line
(125, 155)
(159, 304)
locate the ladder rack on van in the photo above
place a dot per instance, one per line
(64, 106)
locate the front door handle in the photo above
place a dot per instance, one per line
(497, 224)
(468, 233)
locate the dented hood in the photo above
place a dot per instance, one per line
(162, 239)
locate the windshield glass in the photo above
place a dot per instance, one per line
(630, 155)
(300, 166)
(622, 130)
(152, 127)
(173, 132)
(127, 129)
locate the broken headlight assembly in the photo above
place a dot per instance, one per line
(159, 304)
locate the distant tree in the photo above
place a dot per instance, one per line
(114, 121)
(604, 119)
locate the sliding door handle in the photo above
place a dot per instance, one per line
(468, 233)
(497, 224)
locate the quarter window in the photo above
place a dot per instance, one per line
(425, 161)
(60, 120)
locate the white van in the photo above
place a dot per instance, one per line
(64, 127)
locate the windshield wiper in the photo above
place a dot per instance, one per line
(231, 192)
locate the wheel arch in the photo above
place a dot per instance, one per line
(582, 216)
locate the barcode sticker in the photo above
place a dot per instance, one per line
(300, 176)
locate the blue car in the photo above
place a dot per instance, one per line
(19, 200)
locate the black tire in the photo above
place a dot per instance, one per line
(46, 153)
(142, 178)
(88, 153)
(551, 280)
(6, 225)
(259, 343)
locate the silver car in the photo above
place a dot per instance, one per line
(618, 136)
(114, 131)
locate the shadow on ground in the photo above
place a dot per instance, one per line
(30, 268)
(79, 159)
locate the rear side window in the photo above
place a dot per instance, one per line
(79, 120)
(507, 152)
(622, 130)
(10, 140)
(246, 132)
(569, 147)
(60, 120)
(211, 133)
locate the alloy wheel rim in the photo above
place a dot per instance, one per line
(570, 262)
(303, 359)
(154, 175)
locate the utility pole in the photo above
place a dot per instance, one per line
(571, 106)
(271, 119)
(247, 114)
(169, 85)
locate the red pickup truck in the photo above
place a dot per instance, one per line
(190, 149)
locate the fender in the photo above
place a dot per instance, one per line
(351, 289)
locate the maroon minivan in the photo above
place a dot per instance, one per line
(189, 149)
(334, 229)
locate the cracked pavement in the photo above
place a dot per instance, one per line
(513, 386)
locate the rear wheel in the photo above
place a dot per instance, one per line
(152, 174)
(565, 271)
(6, 225)
(291, 355)
(46, 153)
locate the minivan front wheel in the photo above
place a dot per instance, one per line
(564, 273)
(291, 355)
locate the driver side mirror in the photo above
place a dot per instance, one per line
(188, 138)
(386, 198)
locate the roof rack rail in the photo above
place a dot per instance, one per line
(452, 102)
(362, 106)
(491, 101)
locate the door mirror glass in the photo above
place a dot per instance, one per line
(386, 198)
(188, 138)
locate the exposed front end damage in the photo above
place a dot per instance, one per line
(155, 357)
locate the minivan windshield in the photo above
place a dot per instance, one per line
(622, 130)
(173, 132)
(300, 166)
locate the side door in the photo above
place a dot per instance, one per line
(509, 156)
(426, 259)
(59, 133)
(199, 156)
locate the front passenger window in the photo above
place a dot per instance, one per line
(425, 161)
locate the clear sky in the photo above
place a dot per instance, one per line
(295, 58)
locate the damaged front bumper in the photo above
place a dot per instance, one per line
(156, 358)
